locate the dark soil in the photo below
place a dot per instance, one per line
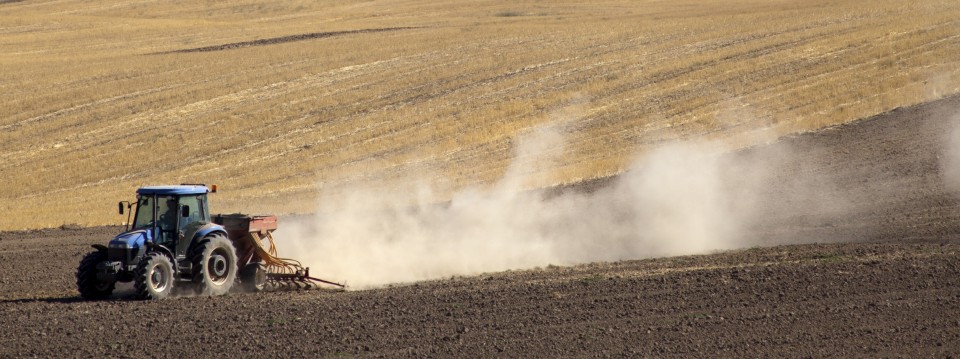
(883, 280)
(284, 39)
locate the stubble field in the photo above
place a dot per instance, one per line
(282, 103)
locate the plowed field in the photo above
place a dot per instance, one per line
(882, 281)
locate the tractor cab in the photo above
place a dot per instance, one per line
(170, 215)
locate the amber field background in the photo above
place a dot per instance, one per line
(98, 97)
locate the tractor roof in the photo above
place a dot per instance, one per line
(174, 190)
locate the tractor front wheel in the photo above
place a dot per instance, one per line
(89, 286)
(154, 277)
(214, 263)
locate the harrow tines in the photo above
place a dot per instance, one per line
(284, 271)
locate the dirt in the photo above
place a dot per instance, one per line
(877, 276)
(284, 39)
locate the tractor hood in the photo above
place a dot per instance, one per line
(132, 239)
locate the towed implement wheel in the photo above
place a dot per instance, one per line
(214, 265)
(154, 277)
(254, 277)
(89, 286)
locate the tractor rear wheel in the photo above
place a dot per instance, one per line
(254, 277)
(214, 263)
(154, 277)
(89, 286)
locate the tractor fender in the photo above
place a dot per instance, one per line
(100, 247)
(163, 249)
(208, 229)
(204, 231)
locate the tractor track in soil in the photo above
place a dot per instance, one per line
(282, 39)
(879, 278)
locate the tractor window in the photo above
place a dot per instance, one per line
(144, 212)
(168, 211)
(195, 210)
(204, 210)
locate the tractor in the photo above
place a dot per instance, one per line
(174, 242)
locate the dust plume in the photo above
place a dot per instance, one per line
(950, 161)
(681, 198)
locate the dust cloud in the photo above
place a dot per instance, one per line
(678, 199)
(950, 161)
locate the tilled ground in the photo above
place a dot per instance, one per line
(883, 281)
(807, 300)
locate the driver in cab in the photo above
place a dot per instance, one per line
(168, 223)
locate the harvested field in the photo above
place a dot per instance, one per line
(90, 110)
(892, 292)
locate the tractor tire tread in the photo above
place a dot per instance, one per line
(198, 267)
(196, 256)
(86, 277)
(141, 280)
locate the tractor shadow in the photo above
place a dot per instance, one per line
(68, 300)
(123, 293)
(53, 300)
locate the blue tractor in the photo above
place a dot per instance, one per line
(172, 242)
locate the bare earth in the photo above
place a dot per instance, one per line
(878, 277)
